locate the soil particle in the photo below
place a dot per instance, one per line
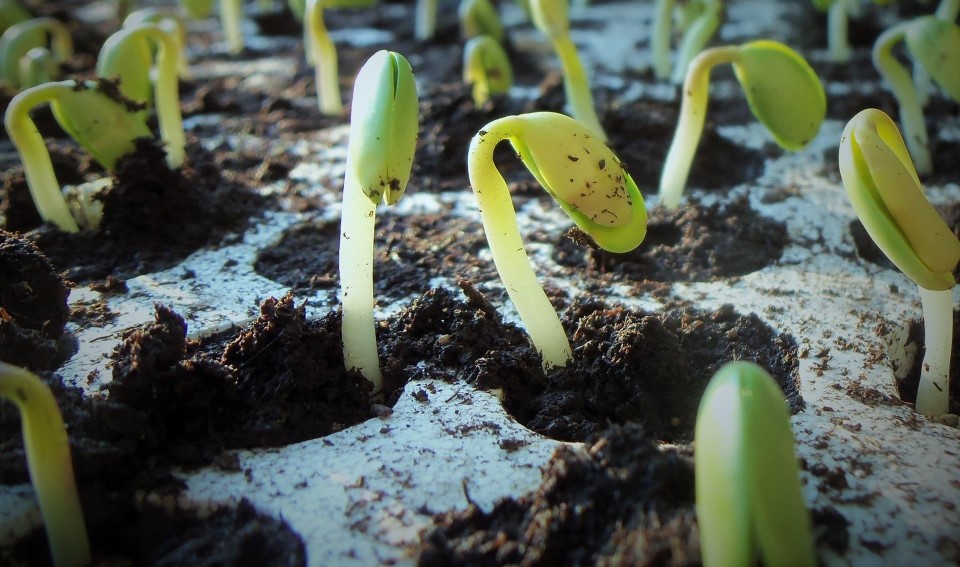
(695, 242)
(621, 501)
(33, 306)
(633, 366)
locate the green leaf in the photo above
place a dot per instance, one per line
(383, 126)
(585, 177)
(935, 43)
(783, 91)
(103, 124)
(747, 478)
(886, 194)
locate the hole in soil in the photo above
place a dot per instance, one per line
(126, 534)
(905, 350)
(410, 251)
(634, 366)
(693, 243)
(868, 250)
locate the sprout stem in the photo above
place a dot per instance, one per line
(837, 40)
(576, 87)
(660, 41)
(948, 10)
(167, 93)
(693, 112)
(934, 392)
(323, 54)
(357, 224)
(37, 166)
(231, 11)
(48, 460)
(696, 37)
(901, 83)
(425, 22)
(500, 225)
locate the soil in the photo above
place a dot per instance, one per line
(625, 498)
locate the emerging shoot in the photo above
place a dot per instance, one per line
(783, 93)
(425, 24)
(586, 179)
(322, 53)
(749, 498)
(11, 12)
(479, 17)
(486, 67)
(104, 125)
(552, 18)
(21, 38)
(383, 137)
(706, 15)
(126, 54)
(886, 194)
(934, 44)
(48, 460)
(197, 9)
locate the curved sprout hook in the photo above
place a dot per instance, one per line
(479, 17)
(126, 54)
(935, 45)
(486, 66)
(103, 125)
(170, 23)
(885, 191)
(747, 478)
(783, 93)
(48, 460)
(552, 18)
(383, 138)
(20, 38)
(588, 182)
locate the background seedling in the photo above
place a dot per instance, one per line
(21, 38)
(479, 17)
(383, 139)
(486, 66)
(934, 44)
(586, 179)
(48, 460)
(425, 24)
(322, 53)
(749, 498)
(783, 92)
(704, 19)
(552, 18)
(885, 191)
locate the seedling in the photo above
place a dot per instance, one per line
(552, 18)
(11, 12)
(586, 179)
(783, 92)
(934, 43)
(486, 67)
(231, 12)
(383, 138)
(479, 17)
(106, 125)
(19, 39)
(127, 55)
(886, 193)
(749, 499)
(170, 23)
(322, 53)
(48, 461)
(703, 20)
(425, 24)
(197, 9)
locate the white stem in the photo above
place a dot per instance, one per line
(934, 394)
(696, 37)
(660, 40)
(576, 86)
(357, 223)
(837, 22)
(500, 225)
(231, 11)
(425, 22)
(324, 56)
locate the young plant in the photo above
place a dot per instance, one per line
(886, 194)
(486, 67)
(552, 18)
(19, 39)
(586, 179)
(127, 55)
(48, 461)
(322, 53)
(105, 124)
(934, 44)
(479, 17)
(703, 23)
(748, 490)
(383, 137)
(425, 24)
(169, 22)
(11, 12)
(783, 93)
(197, 9)
(231, 12)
